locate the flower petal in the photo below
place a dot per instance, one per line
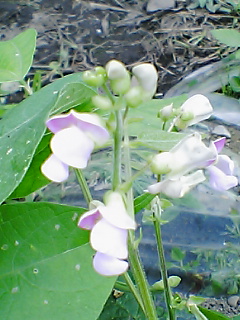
(89, 219)
(219, 144)
(54, 169)
(109, 266)
(147, 76)
(219, 180)
(72, 147)
(225, 164)
(92, 126)
(59, 122)
(108, 239)
(199, 106)
(115, 212)
(177, 188)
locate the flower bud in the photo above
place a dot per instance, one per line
(134, 97)
(120, 86)
(93, 79)
(147, 77)
(166, 112)
(162, 163)
(116, 70)
(102, 102)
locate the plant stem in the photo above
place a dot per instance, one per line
(134, 259)
(141, 281)
(116, 180)
(167, 290)
(84, 186)
(134, 291)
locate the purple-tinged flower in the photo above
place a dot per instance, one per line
(189, 154)
(177, 187)
(194, 110)
(75, 137)
(109, 226)
(221, 169)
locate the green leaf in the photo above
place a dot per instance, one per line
(235, 84)
(213, 315)
(46, 265)
(142, 201)
(22, 129)
(158, 140)
(230, 37)
(16, 56)
(145, 119)
(177, 254)
(73, 95)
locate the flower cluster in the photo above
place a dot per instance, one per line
(109, 226)
(75, 136)
(182, 163)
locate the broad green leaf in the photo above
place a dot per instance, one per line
(46, 265)
(142, 201)
(177, 254)
(34, 179)
(144, 119)
(16, 56)
(22, 129)
(72, 95)
(158, 140)
(230, 37)
(213, 315)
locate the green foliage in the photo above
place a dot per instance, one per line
(22, 129)
(212, 315)
(16, 56)
(229, 37)
(46, 265)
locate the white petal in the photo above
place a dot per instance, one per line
(54, 169)
(72, 147)
(200, 106)
(109, 266)
(115, 212)
(147, 76)
(116, 70)
(110, 240)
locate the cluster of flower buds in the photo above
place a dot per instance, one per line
(135, 89)
(109, 225)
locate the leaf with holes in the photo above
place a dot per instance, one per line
(16, 56)
(46, 265)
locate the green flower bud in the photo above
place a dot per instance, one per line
(120, 86)
(102, 102)
(94, 78)
(161, 163)
(134, 97)
(166, 112)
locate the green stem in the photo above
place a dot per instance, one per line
(167, 290)
(84, 186)
(134, 291)
(134, 259)
(116, 181)
(141, 281)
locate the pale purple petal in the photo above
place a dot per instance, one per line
(91, 124)
(108, 239)
(220, 181)
(219, 144)
(109, 266)
(115, 212)
(54, 169)
(61, 121)
(72, 147)
(89, 219)
(225, 164)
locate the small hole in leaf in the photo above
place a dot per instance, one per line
(35, 271)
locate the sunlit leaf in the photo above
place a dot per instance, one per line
(46, 265)
(16, 56)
